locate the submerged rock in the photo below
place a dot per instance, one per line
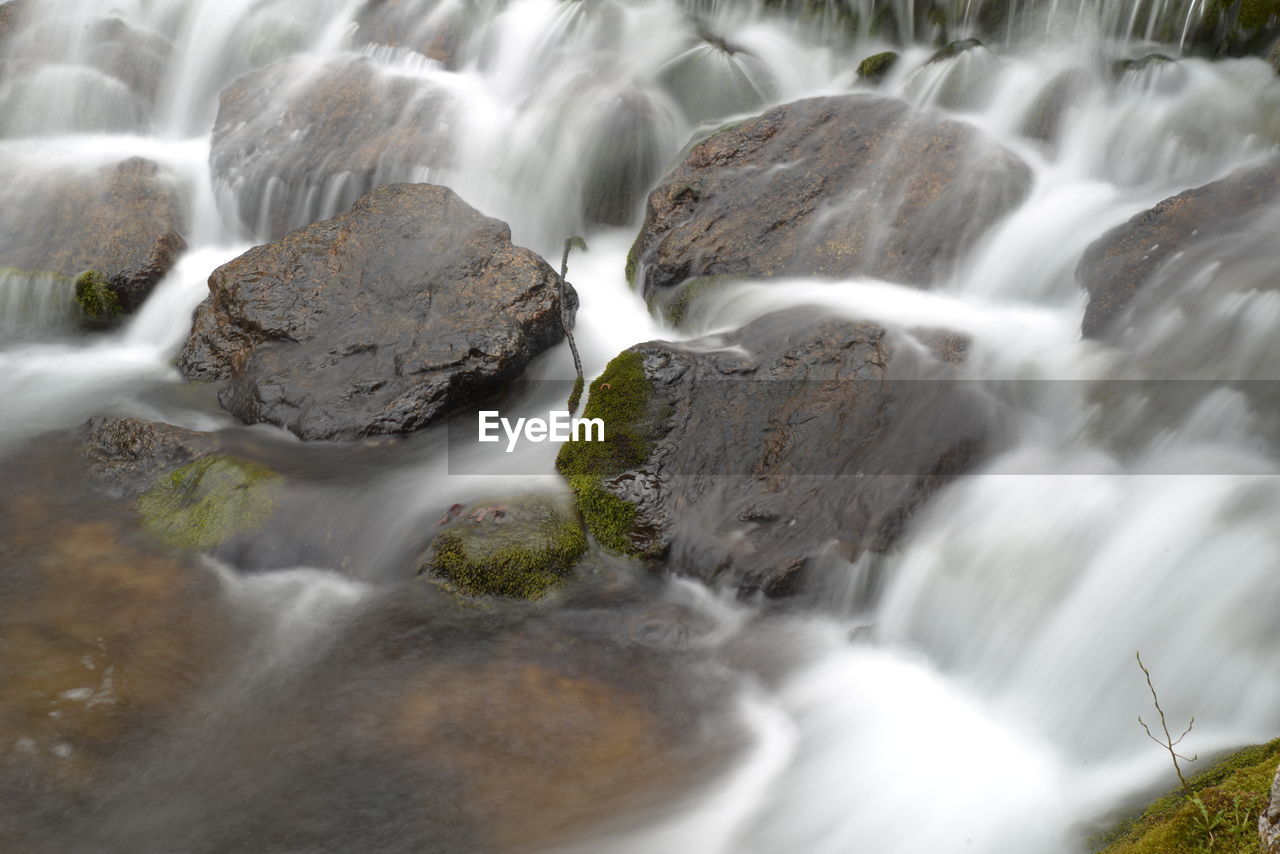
(111, 234)
(104, 636)
(835, 186)
(743, 460)
(378, 321)
(205, 503)
(296, 142)
(1127, 260)
(126, 455)
(520, 547)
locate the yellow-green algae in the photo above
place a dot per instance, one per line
(205, 503)
(518, 548)
(1220, 818)
(95, 296)
(620, 397)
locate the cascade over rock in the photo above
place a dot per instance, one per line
(122, 223)
(1121, 263)
(296, 142)
(835, 186)
(743, 459)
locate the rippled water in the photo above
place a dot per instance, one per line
(983, 701)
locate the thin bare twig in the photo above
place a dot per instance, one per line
(570, 244)
(1169, 742)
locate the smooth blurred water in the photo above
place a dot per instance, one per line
(986, 700)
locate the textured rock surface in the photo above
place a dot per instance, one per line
(295, 142)
(1126, 259)
(741, 466)
(1269, 821)
(125, 222)
(125, 455)
(374, 322)
(835, 186)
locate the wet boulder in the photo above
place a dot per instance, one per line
(104, 635)
(12, 15)
(745, 459)
(375, 322)
(436, 33)
(111, 234)
(124, 456)
(299, 141)
(876, 67)
(835, 186)
(138, 59)
(1127, 261)
(519, 547)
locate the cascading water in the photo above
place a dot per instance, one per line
(973, 690)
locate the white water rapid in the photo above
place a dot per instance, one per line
(974, 690)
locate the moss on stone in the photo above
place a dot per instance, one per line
(675, 304)
(96, 298)
(518, 548)
(1229, 797)
(633, 262)
(620, 397)
(205, 503)
(876, 66)
(575, 396)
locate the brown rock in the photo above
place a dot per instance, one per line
(744, 470)
(124, 222)
(377, 321)
(295, 143)
(835, 186)
(1122, 262)
(126, 454)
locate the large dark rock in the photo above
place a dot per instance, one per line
(835, 186)
(743, 460)
(374, 322)
(1128, 258)
(122, 223)
(296, 142)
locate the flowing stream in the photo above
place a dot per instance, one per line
(974, 690)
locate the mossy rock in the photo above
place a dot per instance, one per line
(1228, 799)
(620, 396)
(205, 503)
(520, 548)
(877, 66)
(685, 303)
(954, 49)
(99, 304)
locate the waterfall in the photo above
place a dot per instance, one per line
(971, 690)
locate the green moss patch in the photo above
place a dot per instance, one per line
(680, 305)
(1220, 818)
(96, 298)
(518, 548)
(620, 397)
(205, 503)
(876, 66)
